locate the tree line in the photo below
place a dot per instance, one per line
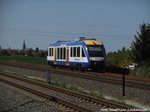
(138, 53)
(23, 52)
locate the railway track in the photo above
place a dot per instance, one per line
(134, 82)
(72, 100)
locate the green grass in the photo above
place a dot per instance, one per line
(24, 59)
(142, 71)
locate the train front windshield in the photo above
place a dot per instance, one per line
(96, 51)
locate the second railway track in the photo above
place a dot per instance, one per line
(134, 82)
(72, 100)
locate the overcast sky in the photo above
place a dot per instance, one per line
(40, 22)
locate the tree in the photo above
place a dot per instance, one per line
(37, 50)
(36, 53)
(121, 58)
(141, 45)
(30, 52)
(42, 53)
(5, 53)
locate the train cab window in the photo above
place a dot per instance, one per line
(83, 54)
(78, 51)
(95, 51)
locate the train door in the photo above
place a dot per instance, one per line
(67, 56)
(55, 56)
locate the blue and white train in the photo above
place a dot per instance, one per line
(84, 54)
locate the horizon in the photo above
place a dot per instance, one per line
(41, 22)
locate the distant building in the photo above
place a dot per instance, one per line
(24, 45)
(9, 51)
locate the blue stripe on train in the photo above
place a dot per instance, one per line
(72, 64)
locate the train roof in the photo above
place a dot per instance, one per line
(80, 42)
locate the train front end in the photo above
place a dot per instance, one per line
(97, 55)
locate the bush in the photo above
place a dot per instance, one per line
(119, 70)
(141, 71)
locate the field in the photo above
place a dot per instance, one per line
(24, 59)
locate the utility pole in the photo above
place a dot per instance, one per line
(123, 85)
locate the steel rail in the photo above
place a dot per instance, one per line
(71, 93)
(145, 84)
(48, 97)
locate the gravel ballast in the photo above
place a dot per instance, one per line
(133, 96)
(14, 101)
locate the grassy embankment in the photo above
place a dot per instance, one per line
(143, 71)
(24, 59)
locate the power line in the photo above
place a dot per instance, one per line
(108, 36)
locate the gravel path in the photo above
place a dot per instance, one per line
(135, 97)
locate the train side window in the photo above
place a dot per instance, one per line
(74, 53)
(49, 50)
(61, 53)
(52, 51)
(64, 53)
(57, 53)
(71, 51)
(78, 51)
(83, 54)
